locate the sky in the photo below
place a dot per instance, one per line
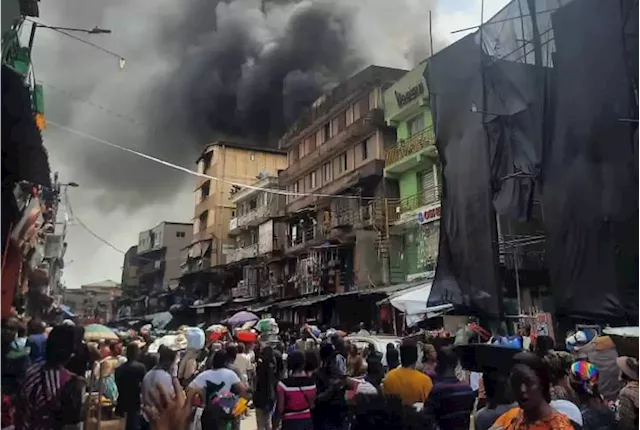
(85, 90)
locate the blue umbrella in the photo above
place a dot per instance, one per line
(242, 317)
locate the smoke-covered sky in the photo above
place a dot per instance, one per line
(197, 69)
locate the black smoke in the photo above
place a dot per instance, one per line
(237, 75)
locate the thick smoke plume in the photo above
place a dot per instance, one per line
(250, 70)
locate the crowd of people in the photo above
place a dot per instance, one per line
(303, 385)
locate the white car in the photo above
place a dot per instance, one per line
(377, 341)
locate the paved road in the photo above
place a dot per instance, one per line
(249, 423)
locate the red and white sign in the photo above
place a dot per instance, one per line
(428, 215)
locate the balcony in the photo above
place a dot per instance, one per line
(243, 253)
(338, 185)
(196, 265)
(408, 208)
(233, 226)
(151, 267)
(408, 153)
(302, 238)
(358, 130)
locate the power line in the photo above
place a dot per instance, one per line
(91, 232)
(198, 174)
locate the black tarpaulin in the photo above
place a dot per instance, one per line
(466, 270)
(590, 191)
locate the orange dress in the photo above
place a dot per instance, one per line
(514, 420)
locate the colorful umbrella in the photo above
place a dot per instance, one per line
(242, 317)
(94, 332)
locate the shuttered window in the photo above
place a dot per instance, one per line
(428, 194)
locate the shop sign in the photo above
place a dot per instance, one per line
(404, 98)
(429, 215)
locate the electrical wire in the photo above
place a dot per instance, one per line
(194, 173)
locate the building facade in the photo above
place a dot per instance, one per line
(335, 155)
(233, 164)
(259, 233)
(412, 162)
(159, 256)
(96, 301)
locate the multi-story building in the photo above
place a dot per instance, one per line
(259, 234)
(412, 162)
(94, 301)
(335, 167)
(159, 255)
(232, 164)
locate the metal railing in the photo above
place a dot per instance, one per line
(410, 145)
(303, 236)
(426, 197)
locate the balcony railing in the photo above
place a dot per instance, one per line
(258, 213)
(303, 236)
(427, 197)
(354, 132)
(245, 252)
(409, 146)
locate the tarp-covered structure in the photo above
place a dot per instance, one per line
(540, 104)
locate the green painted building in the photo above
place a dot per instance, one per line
(413, 163)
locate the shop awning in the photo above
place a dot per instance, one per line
(413, 303)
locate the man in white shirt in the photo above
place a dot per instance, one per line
(159, 375)
(219, 379)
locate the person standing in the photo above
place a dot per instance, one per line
(499, 400)
(409, 384)
(627, 413)
(51, 395)
(37, 340)
(295, 396)
(331, 409)
(393, 358)
(451, 400)
(355, 363)
(158, 375)
(129, 377)
(264, 398)
(596, 415)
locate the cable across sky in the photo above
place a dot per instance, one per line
(195, 173)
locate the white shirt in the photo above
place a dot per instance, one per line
(225, 378)
(153, 377)
(243, 364)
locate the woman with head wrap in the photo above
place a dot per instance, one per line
(51, 395)
(530, 384)
(596, 415)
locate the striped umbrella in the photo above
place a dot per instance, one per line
(94, 332)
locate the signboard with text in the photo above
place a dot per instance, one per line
(428, 215)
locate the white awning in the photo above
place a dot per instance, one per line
(413, 304)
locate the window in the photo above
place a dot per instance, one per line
(252, 156)
(416, 124)
(204, 190)
(320, 137)
(327, 131)
(313, 180)
(326, 169)
(296, 187)
(310, 143)
(349, 115)
(293, 155)
(233, 214)
(300, 150)
(202, 221)
(180, 234)
(253, 204)
(365, 149)
(342, 162)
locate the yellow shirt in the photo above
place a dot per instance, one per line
(412, 386)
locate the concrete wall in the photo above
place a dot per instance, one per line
(367, 267)
(174, 242)
(237, 165)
